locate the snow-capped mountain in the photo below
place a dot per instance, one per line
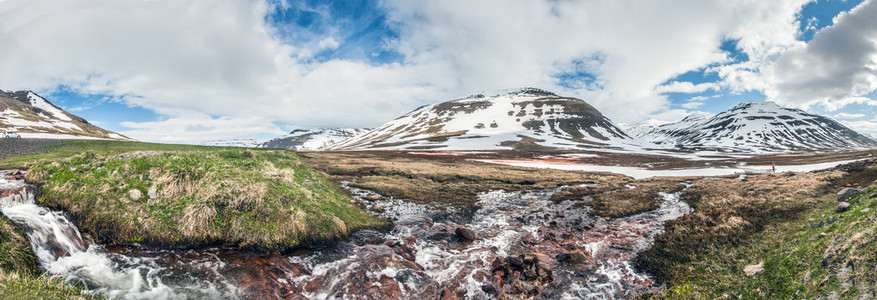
(313, 139)
(525, 119)
(641, 128)
(32, 116)
(757, 127)
(242, 143)
(658, 134)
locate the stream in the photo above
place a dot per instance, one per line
(517, 243)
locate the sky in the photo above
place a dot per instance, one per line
(189, 71)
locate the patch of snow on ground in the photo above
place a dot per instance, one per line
(639, 173)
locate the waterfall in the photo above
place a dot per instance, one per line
(62, 251)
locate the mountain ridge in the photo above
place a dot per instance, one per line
(526, 118)
(758, 127)
(33, 116)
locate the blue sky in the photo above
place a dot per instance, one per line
(256, 69)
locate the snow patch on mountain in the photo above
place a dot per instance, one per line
(313, 139)
(756, 127)
(39, 102)
(241, 143)
(32, 116)
(525, 119)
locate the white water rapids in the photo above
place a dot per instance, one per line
(421, 257)
(62, 251)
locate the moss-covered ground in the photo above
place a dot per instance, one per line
(786, 222)
(266, 200)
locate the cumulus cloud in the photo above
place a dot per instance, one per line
(221, 65)
(865, 127)
(692, 105)
(849, 116)
(686, 87)
(199, 127)
(837, 65)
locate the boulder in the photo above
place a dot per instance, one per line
(466, 235)
(845, 194)
(842, 207)
(573, 257)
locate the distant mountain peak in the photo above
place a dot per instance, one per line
(523, 118)
(757, 127)
(31, 115)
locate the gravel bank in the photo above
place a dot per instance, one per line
(22, 146)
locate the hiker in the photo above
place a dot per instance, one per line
(773, 167)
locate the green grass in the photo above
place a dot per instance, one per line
(814, 254)
(266, 200)
(20, 276)
(25, 287)
(69, 148)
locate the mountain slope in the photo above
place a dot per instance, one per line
(757, 127)
(34, 116)
(312, 139)
(526, 119)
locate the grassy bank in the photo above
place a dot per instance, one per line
(787, 222)
(20, 277)
(256, 199)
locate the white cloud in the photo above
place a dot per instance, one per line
(849, 116)
(686, 87)
(692, 105)
(865, 127)
(198, 127)
(837, 65)
(188, 60)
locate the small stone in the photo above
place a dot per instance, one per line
(465, 234)
(823, 234)
(152, 193)
(573, 257)
(754, 269)
(499, 263)
(516, 262)
(866, 210)
(135, 194)
(490, 289)
(842, 207)
(72, 169)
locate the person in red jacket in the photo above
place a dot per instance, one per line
(773, 167)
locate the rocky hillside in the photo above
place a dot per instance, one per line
(756, 127)
(32, 116)
(525, 119)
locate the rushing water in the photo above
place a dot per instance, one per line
(526, 245)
